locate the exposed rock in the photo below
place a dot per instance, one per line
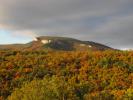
(45, 41)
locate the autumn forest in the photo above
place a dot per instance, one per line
(66, 75)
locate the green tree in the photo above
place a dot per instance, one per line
(53, 88)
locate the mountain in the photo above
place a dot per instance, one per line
(57, 43)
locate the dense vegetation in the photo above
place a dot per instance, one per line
(60, 75)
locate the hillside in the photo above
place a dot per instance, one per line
(57, 43)
(62, 75)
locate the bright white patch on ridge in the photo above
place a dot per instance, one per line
(35, 39)
(89, 46)
(45, 41)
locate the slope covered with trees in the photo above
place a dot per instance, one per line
(66, 75)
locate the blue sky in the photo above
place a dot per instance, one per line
(108, 22)
(7, 38)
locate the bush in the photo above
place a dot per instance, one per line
(128, 95)
(100, 96)
(47, 89)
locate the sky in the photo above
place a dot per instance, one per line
(109, 22)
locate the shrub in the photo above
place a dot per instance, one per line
(47, 89)
(128, 95)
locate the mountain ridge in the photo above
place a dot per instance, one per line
(57, 43)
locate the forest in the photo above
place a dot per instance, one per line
(66, 75)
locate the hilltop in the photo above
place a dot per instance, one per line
(57, 43)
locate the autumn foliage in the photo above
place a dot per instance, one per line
(100, 75)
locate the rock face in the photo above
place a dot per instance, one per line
(45, 41)
(57, 43)
(35, 39)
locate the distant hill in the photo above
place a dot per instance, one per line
(57, 43)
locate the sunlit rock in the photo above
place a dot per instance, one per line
(89, 46)
(45, 41)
